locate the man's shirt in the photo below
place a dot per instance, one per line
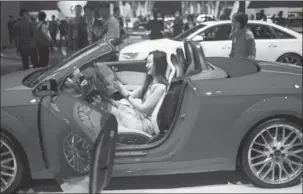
(25, 30)
(111, 27)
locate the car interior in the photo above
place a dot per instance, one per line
(166, 109)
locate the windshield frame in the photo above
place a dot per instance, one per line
(189, 32)
(99, 48)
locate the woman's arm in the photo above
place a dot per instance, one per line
(136, 93)
(151, 102)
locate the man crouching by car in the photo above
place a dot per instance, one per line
(243, 42)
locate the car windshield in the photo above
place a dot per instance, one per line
(185, 34)
(39, 75)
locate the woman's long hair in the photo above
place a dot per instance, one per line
(160, 67)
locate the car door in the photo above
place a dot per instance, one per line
(71, 129)
(216, 40)
(268, 47)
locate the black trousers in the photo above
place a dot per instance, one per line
(10, 34)
(54, 39)
(43, 56)
(27, 53)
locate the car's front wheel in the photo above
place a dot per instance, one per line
(272, 154)
(12, 167)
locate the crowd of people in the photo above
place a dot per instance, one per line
(35, 39)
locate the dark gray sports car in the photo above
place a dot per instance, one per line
(218, 114)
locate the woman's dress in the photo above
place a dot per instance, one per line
(130, 117)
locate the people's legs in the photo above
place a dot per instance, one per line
(24, 56)
(65, 39)
(43, 56)
(60, 41)
(54, 39)
(16, 43)
(34, 57)
(10, 37)
(75, 45)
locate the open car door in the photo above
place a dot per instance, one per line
(77, 139)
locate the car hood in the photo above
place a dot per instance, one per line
(145, 47)
(280, 68)
(13, 92)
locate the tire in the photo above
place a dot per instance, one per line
(9, 151)
(291, 58)
(257, 169)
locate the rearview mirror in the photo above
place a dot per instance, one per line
(198, 38)
(47, 88)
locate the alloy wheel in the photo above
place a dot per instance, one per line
(8, 169)
(291, 59)
(275, 154)
(77, 152)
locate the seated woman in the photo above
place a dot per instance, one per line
(136, 113)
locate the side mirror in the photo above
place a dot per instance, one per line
(53, 85)
(47, 88)
(198, 38)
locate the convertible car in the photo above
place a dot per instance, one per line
(218, 114)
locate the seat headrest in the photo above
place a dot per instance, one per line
(178, 65)
(171, 69)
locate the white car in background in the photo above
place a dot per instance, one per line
(273, 42)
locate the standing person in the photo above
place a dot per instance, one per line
(262, 16)
(273, 18)
(190, 22)
(111, 27)
(10, 27)
(93, 26)
(77, 30)
(25, 31)
(225, 14)
(243, 42)
(120, 19)
(155, 26)
(63, 28)
(178, 24)
(280, 19)
(42, 40)
(53, 30)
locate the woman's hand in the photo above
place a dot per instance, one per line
(118, 86)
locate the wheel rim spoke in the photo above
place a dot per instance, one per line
(262, 162)
(8, 166)
(275, 154)
(7, 174)
(262, 168)
(77, 154)
(4, 181)
(6, 161)
(5, 154)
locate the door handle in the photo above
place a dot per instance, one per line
(272, 46)
(226, 47)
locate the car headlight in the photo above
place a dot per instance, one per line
(128, 55)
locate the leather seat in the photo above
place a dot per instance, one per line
(141, 136)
